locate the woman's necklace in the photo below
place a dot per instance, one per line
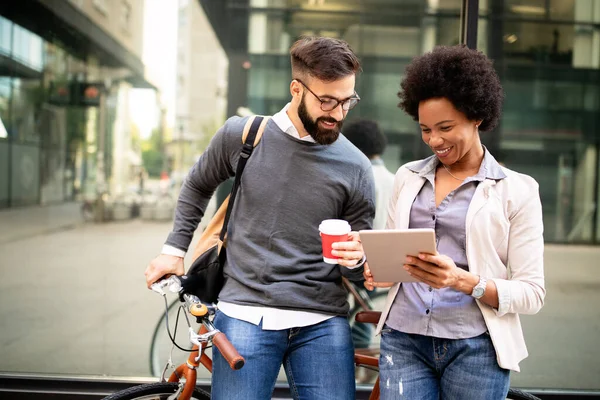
(448, 171)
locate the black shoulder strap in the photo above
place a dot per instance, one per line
(244, 156)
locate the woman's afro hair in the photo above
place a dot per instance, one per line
(464, 76)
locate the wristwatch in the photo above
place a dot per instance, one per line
(479, 289)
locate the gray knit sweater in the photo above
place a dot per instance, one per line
(274, 256)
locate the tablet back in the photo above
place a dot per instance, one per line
(386, 251)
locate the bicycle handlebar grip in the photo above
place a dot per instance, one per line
(235, 360)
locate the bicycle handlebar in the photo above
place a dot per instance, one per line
(173, 282)
(201, 310)
(229, 353)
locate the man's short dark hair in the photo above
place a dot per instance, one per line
(464, 76)
(324, 58)
(367, 136)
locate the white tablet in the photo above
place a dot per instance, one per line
(386, 251)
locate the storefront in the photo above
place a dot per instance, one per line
(60, 80)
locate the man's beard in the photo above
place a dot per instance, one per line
(321, 135)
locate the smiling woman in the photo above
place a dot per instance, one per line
(459, 316)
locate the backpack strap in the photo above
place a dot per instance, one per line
(252, 134)
(259, 132)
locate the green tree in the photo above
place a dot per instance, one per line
(153, 153)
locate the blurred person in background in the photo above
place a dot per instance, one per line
(368, 137)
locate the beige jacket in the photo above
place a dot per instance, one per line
(504, 243)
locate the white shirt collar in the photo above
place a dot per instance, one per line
(284, 123)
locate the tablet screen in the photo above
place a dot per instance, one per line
(386, 251)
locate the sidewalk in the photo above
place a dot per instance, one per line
(25, 222)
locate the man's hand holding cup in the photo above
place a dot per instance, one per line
(340, 245)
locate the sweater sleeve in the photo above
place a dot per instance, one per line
(214, 166)
(360, 212)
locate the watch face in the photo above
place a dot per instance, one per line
(477, 292)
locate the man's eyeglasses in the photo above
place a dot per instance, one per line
(328, 103)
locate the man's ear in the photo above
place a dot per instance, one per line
(295, 88)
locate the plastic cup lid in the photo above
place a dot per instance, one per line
(334, 227)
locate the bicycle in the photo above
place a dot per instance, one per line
(362, 334)
(181, 384)
(182, 381)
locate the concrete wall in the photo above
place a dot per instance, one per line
(122, 19)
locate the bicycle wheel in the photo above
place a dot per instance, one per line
(160, 345)
(516, 394)
(154, 391)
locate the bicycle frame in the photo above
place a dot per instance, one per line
(188, 370)
(206, 333)
(364, 360)
(358, 297)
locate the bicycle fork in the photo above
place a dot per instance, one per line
(189, 369)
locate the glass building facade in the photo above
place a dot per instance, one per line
(546, 53)
(48, 145)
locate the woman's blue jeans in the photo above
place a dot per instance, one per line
(318, 361)
(421, 367)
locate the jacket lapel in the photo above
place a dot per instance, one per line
(480, 197)
(407, 196)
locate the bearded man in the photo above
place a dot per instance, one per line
(281, 304)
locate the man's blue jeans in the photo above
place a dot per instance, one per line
(420, 367)
(318, 361)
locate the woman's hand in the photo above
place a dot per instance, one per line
(370, 284)
(438, 271)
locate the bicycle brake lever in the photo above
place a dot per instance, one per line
(172, 282)
(157, 287)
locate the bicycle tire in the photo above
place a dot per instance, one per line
(154, 391)
(516, 394)
(160, 342)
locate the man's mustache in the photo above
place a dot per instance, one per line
(328, 119)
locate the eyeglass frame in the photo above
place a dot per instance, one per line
(355, 96)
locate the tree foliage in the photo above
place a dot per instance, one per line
(153, 154)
